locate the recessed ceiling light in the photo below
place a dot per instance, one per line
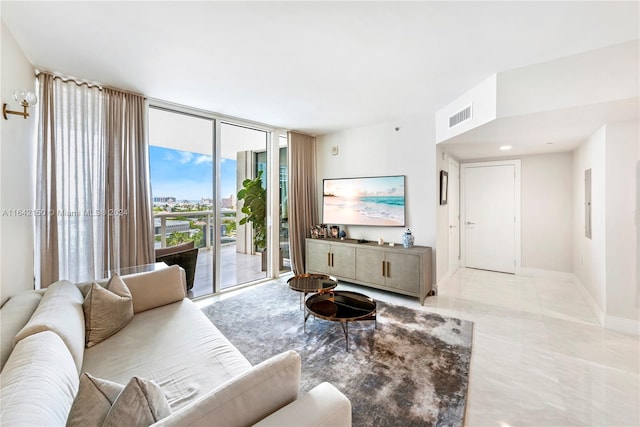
(505, 147)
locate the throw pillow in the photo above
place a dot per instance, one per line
(141, 403)
(106, 310)
(93, 401)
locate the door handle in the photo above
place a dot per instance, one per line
(471, 223)
(452, 226)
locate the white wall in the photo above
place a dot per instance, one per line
(547, 211)
(17, 173)
(622, 154)
(381, 150)
(589, 255)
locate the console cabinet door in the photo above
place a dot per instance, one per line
(343, 261)
(317, 257)
(403, 271)
(369, 266)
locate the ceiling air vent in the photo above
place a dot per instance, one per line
(460, 116)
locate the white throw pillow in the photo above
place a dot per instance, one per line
(106, 310)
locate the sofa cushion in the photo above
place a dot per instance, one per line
(323, 406)
(93, 401)
(247, 398)
(141, 403)
(39, 382)
(176, 346)
(106, 310)
(15, 313)
(60, 311)
(156, 288)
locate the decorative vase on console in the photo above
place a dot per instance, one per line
(407, 239)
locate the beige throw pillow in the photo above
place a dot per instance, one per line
(104, 403)
(93, 401)
(141, 403)
(106, 310)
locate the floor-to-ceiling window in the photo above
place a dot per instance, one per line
(242, 246)
(181, 168)
(283, 231)
(198, 165)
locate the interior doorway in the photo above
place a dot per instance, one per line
(490, 210)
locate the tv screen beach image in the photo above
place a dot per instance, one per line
(364, 201)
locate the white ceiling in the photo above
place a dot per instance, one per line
(315, 67)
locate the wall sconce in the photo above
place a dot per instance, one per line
(26, 98)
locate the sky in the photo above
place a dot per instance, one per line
(357, 187)
(188, 176)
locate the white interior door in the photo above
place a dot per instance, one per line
(492, 216)
(454, 215)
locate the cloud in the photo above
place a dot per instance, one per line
(185, 157)
(203, 158)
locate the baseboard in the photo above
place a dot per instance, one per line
(589, 299)
(538, 272)
(620, 324)
(444, 279)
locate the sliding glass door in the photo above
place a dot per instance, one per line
(181, 168)
(243, 200)
(211, 182)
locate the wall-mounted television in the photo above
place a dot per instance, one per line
(378, 200)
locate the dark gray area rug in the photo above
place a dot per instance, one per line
(412, 370)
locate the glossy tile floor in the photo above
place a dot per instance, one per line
(539, 356)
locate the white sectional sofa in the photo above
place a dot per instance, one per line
(204, 378)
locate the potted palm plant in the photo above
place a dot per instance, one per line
(255, 209)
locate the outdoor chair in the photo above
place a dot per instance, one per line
(185, 255)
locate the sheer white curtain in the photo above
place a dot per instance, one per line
(75, 170)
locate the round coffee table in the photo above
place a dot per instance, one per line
(341, 306)
(311, 284)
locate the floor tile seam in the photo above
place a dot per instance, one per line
(546, 317)
(576, 359)
(542, 309)
(509, 341)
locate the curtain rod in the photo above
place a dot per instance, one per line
(67, 79)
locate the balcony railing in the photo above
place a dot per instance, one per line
(182, 222)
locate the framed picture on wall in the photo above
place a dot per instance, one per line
(444, 187)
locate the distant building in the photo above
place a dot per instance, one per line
(164, 200)
(229, 202)
(172, 225)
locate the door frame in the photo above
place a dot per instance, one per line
(517, 220)
(453, 196)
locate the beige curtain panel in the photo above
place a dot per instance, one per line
(129, 233)
(302, 195)
(92, 182)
